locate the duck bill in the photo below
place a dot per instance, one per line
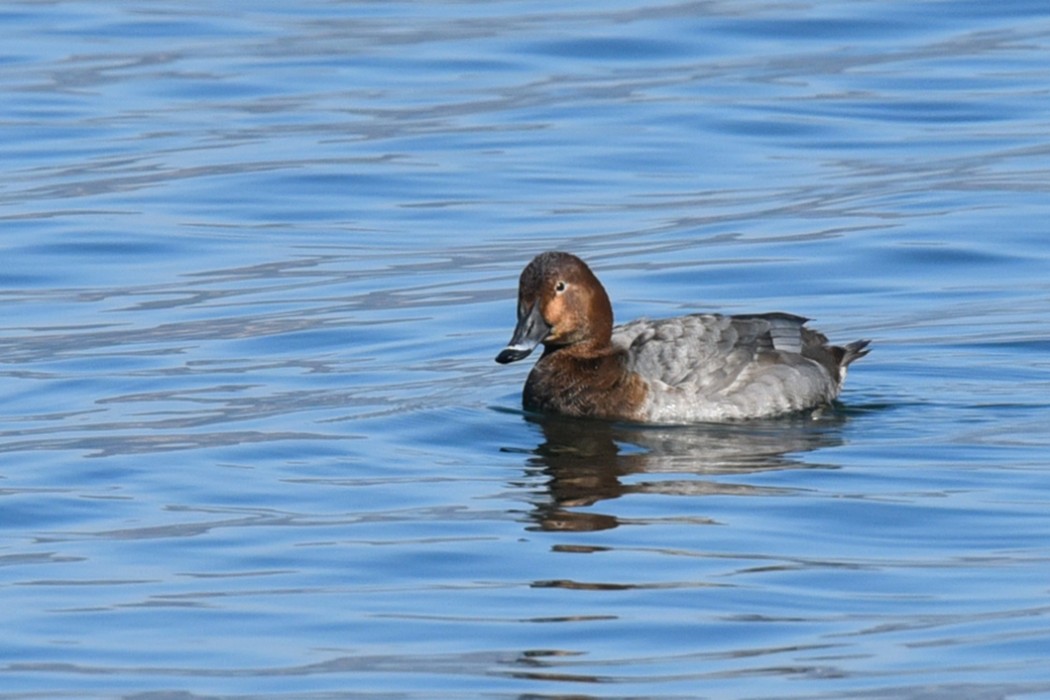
(530, 332)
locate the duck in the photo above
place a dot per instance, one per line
(698, 368)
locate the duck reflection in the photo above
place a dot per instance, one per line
(586, 461)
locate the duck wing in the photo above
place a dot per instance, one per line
(720, 354)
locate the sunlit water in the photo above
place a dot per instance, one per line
(258, 260)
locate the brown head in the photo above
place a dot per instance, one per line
(560, 304)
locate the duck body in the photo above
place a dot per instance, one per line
(695, 368)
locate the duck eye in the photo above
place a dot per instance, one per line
(559, 287)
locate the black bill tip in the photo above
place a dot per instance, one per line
(513, 353)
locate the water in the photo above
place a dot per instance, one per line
(257, 262)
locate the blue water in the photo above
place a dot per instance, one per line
(258, 259)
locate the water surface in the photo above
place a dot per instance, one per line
(258, 260)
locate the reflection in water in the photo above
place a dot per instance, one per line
(586, 460)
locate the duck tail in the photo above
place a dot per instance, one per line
(848, 353)
(853, 351)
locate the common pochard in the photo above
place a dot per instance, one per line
(695, 368)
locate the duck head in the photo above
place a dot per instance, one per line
(560, 304)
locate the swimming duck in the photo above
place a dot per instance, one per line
(696, 368)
